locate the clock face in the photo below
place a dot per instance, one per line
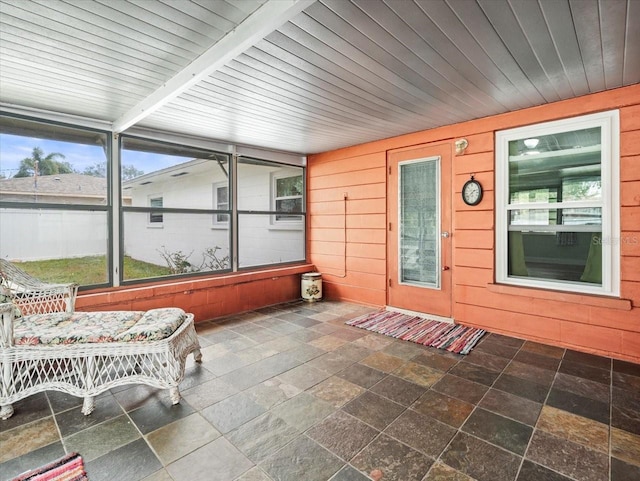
(472, 192)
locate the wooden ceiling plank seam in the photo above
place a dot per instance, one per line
(343, 56)
(613, 15)
(350, 59)
(477, 23)
(407, 61)
(135, 23)
(54, 39)
(507, 25)
(168, 26)
(536, 30)
(467, 55)
(631, 69)
(59, 91)
(313, 64)
(558, 17)
(47, 95)
(240, 94)
(266, 126)
(223, 101)
(218, 11)
(73, 68)
(229, 9)
(90, 21)
(264, 20)
(234, 97)
(57, 23)
(75, 76)
(79, 94)
(425, 57)
(261, 61)
(330, 91)
(427, 86)
(76, 53)
(297, 96)
(586, 16)
(65, 83)
(284, 138)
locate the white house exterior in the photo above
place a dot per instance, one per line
(203, 184)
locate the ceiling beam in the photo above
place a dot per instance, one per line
(254, 28)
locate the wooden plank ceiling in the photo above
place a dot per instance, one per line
(309, 76)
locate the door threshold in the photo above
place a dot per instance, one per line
(433, 317)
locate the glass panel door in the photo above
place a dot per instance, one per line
(419, 216)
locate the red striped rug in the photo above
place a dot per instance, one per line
(68, 468)
(428, 332)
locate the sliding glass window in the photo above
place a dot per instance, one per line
(174, 209)
(557, 205)
(54, 200)
(271, 214)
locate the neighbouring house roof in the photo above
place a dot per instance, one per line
(61, 184)
(60, 188)
(193, 167)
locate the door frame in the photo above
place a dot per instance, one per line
(422, 297)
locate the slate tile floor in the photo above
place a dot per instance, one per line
(289, 393)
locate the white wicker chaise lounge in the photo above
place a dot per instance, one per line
(46, 345)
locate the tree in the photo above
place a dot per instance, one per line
(45, 165)
(130, 172)
(97, 170)
(100, 170)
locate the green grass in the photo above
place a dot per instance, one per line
(88, 270)
(134, 269)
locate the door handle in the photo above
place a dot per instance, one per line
(445, 268)
(445, 234)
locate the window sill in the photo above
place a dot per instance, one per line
(286, 227)
(584, 299)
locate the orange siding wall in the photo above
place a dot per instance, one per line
(206, 298)
(354, 270)
(588, 323)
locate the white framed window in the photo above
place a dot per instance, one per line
(221, 202)
(155, 218)
(557, 205)
(287, 197)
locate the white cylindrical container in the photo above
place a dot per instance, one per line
(311, 286)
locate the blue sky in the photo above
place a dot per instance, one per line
(14, 148)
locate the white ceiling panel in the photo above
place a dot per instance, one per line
(322, 75)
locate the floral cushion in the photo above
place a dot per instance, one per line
(92, 327)
(154, 325)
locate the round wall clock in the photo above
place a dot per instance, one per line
(472, 192)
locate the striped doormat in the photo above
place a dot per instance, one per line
(452, 337)
(67, 468)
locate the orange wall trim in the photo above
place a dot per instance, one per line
(352, 252)
(206, 298)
